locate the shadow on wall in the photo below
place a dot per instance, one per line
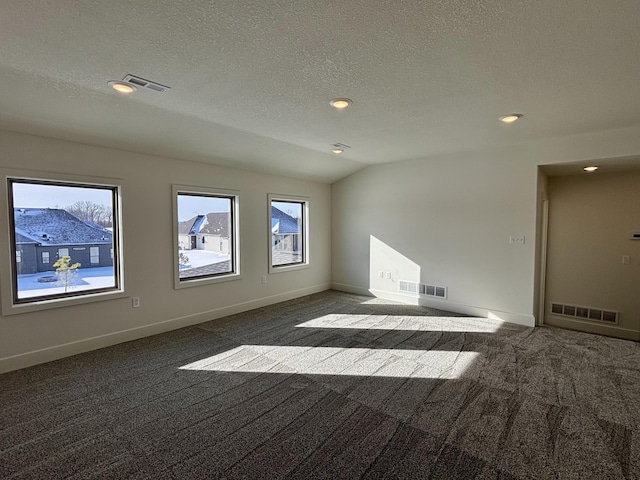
(394, 276)
(387, 267)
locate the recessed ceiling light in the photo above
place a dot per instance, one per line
(339, 148)
(590, 169)
(122, 87)
(511, 118)
(340, 103)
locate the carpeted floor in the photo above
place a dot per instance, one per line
(331, 386)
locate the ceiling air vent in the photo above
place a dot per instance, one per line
(340, 146)
(141, 82)
(585, 313)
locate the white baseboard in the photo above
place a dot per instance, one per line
(592, 327)
(57, 352)
(517, 318)
(342, 287)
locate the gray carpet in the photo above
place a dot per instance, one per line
(331, 386)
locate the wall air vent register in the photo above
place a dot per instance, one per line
(585, 313)
(422, 289)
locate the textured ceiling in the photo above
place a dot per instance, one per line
(251, 80)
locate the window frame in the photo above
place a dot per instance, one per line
(234, 243)
(10, 303)
(305, 263)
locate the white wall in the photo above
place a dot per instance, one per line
(447, 220)
(35, 337)
(451, 221)
(591, 218)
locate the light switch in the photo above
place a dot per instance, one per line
(626, 260)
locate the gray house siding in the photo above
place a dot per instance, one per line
(78, 253)
(41, 234)
(28, 259)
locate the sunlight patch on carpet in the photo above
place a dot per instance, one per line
(399, 322)
(339, 361)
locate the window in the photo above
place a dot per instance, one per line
(95, 255)
(206, 248)
(51, 218)
(288, 226)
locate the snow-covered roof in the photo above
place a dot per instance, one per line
(54, 226)
(285, 223)
(23, 239)
(217, 223)
(213, 223)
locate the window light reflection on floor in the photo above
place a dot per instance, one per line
(399, 322)
(339, 361)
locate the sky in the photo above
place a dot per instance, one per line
(28, 195)
(190, 205)
(292, 209)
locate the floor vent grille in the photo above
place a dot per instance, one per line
(422, 289)
(585, 313)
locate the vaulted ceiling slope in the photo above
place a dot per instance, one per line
(251, 80)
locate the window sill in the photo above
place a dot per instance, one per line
(36, 306)
(199, 282)
(288, 268)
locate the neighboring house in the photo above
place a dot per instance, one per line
(206, 232)
(285, 231)
(43, 235)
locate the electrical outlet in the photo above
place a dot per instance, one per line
(263, 279)
(626, 260)
(135, 302)
(387, 275)
(516, 239)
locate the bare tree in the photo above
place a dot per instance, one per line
(92, 212)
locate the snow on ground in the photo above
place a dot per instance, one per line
(200, 258)
(87, 279)
(101, 277)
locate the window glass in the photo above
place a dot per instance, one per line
(66, 226)
(95, 254)
(206, 236)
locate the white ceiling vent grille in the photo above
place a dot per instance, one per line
(585, 313)
(422, 289)
(141, 82)
(341, 146)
